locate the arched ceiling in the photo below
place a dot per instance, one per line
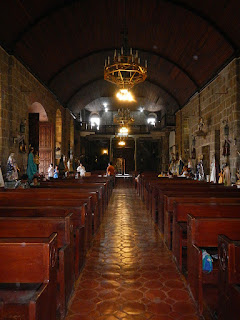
(65, 44)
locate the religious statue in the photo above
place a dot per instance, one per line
(238, 177)
(190, 165)
(50, 171)
(180, 165)
(213, 174)
(200, 169)
(61, 167)
(1, 179)
(226, 149)
(226, 176)
(173, 168)
(12, 168)
(36, 159)
(55, 173)
(81, 170)
(31, 165)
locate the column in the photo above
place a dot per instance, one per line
(135, 154)
(110, 151)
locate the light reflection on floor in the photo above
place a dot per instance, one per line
(129, 273)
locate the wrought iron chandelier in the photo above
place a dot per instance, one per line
(125, 70)
(123, 117)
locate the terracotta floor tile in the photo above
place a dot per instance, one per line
(89, 284)
(82, 306)
(132, 295)
(85, 294)
(134, 308)
(159, 308)
(129, 273)
(107, 307)
(156, 295)
(178, 294)
(109, 294)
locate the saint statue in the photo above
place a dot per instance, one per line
(1, 179)
(81, 170)
(200, 169)
(61, 167)
(31, 165)
(213, 177)
(226, 176)
(12, 168)
(180, 166)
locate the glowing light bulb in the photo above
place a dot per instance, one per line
(125, 95)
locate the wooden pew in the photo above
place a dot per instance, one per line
(65, 193)
(19, 199)
(100, 188)
(77, 219)
(28, 278)
(229, 278)
(203, 234)
(153, 189)
(19, 227)
(208, 208)
(199, 196)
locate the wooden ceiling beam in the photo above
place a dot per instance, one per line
(178, 3)
(159, 55)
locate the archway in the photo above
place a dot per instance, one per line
(41, 135)
(58, 136)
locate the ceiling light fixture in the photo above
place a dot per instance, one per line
(121, 143)
(125, 95)
(123, 132)
(123, 117)
(125, 70)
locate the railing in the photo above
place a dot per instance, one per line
(168, 122)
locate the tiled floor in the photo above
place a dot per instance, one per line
(129, 273)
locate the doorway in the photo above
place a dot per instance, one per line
(206, 159)
(41, 135)
(45, 146)
(127, 158)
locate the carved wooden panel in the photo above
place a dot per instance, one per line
(45, 146)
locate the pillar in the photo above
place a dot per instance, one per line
(110, 151)
(135, 153)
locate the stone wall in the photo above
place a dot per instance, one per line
(218, 105)
(19, 89)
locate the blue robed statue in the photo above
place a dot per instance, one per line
(31, 166)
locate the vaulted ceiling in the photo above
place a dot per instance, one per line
(65, 44)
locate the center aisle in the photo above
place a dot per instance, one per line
(129, 274)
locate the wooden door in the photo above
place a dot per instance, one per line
(206, 159)
(34, 130)
(45, 146)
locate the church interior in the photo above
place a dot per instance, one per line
(120, 159)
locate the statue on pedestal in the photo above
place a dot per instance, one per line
(31, 165)
(213, 174)
(180, 166)
(226, 176)
(12, 168)
(200, 169)
(1, 178)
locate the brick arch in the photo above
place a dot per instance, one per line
(37, 107)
